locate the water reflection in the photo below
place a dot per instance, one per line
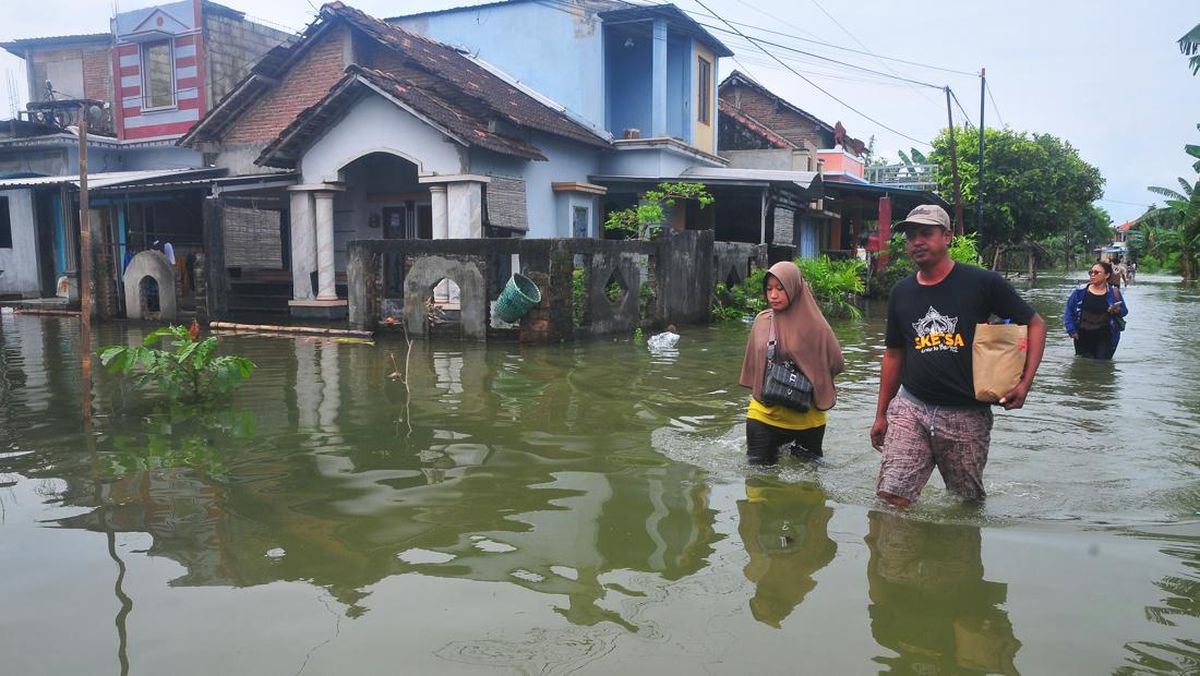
(784, 528)
(1181, 604)
(462, 469)
(929, 601)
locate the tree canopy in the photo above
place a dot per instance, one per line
(1035, 185)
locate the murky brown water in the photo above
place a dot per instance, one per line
(585, 509)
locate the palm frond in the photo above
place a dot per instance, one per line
(1189, 44)
(1167, 192)
(1187, 187)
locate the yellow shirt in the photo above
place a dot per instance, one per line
(782, 416)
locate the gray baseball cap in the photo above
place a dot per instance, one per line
(926, 214)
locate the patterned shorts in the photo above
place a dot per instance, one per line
(921, 436)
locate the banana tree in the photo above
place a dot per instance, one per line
(1189, 44)
(1180, 221)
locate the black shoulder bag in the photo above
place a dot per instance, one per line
(784, 384)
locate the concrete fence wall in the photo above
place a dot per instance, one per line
(626, 284)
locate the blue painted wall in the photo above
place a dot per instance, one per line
(630, 85)
(679, 87)
(555, 52)
(567, 161)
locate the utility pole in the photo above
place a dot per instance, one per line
(85, 267)
(982, 127)
(958, 207)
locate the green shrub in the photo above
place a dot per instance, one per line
(578, 294)
(190, 373)
(741, 300)
(963, 249)
(834, 284)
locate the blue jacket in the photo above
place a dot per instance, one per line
(1075, 309)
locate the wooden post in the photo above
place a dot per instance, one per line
(85, 268)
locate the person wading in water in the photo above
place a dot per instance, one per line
(927, 414)
(801, 335)
(1092, 314)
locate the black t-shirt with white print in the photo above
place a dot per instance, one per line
(936, 325)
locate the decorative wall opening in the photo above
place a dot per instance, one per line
(151, 307)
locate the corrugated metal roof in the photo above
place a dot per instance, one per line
(804, 179)
(107, 179)
(762, 178)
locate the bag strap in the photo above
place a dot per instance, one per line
(771, 341)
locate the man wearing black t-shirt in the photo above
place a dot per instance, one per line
(927, 413)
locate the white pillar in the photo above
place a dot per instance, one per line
(304, 244)
(441, 222)
(326, 288)
(464, 202)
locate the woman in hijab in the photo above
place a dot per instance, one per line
(802, 335)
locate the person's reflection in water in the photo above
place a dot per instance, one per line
(930, 603)
(784, 528)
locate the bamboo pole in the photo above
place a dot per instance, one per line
(85, 266)
(39, 311)
(305, 330)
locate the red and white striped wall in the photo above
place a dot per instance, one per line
(178, 22)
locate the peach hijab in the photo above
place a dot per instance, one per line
(802, 335)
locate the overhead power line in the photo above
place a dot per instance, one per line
(830, 45)
(960, 107)
(810, 82)
(822, 58)
(865, 48)
(996, 108)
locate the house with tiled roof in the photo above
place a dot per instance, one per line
(646, 75)
(392, 134)
(759, 129)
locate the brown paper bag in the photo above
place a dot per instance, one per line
(998, 359)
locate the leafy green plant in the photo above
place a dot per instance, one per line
(579, 295)
(740, 301)
(963, 249)
(191, 372)
(645, 220)
(835, 284)
(646, 300)
(638, 336)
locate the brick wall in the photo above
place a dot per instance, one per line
(777, 117)
(231, 47)
(307, 81)
(94, 72)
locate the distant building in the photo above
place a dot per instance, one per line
(143, 84)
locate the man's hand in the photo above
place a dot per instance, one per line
(878, 432)
(1074, 336)
(1015, 398)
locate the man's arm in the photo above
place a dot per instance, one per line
(889, 385)
(1033, 358)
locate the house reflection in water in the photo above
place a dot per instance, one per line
(480, 468)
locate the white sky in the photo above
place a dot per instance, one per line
(1104, 74)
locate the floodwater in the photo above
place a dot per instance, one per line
(586, 509)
